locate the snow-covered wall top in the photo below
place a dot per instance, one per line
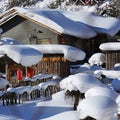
(110, 46)
(81, 24)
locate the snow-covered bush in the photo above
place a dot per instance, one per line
(98, 107)
(76, 85)
(80, 81)
(97, 58)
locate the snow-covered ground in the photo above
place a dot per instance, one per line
(102, 105)
(57, 107)
(40, 109)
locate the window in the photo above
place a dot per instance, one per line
(44, 41)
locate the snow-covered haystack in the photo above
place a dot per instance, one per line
(80, 81)
(97, 58)
(104, 91)
(98, 107)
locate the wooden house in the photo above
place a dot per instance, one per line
(54, 61)
(51, 64)
(35, 26)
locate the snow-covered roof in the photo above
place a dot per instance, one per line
(70, 53)
(28, 55)
(24, 55)
(111, 46)
(81, 24)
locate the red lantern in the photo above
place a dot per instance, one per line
(19, 74)
(30, 72)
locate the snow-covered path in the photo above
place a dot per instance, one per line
(34, 110)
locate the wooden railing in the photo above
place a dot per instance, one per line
(11, 98)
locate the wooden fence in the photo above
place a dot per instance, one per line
(10, 98)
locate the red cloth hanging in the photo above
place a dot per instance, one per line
(19, 74)
(30, 72)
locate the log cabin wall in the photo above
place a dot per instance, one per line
(50, 64)
(65, 39)
(9, 67)
(112, 57)
(53, 64)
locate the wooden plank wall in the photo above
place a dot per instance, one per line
(50, 64)
(53, 64)
(112, 57)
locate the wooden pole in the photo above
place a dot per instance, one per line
(7, 71)
(26, 71)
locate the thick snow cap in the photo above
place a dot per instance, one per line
(28, 55)
(70, 53)
(80, 81)
(110, 46)
(104, 91)
(98, 107)
(97, 58)
(82, 24)
(22, 54)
